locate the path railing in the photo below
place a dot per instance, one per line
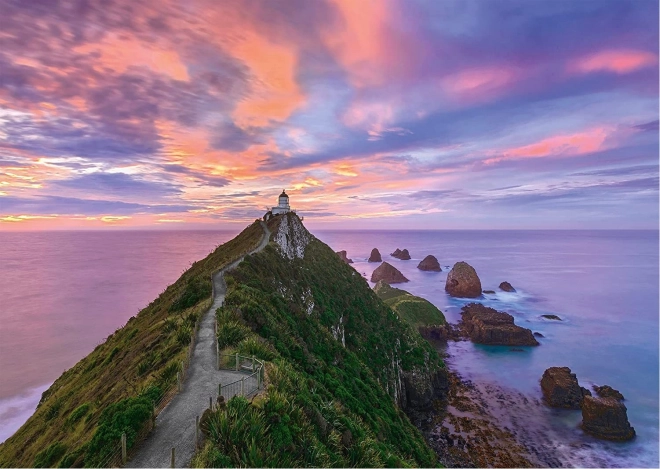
(246, 385)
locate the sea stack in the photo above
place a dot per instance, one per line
(388, 273)
(606, 418)
(506, 286)
(375, 256)
(342, 256)
(430, 263)
(401, 255)
(463, 281)
(561, 389)
(488, 326)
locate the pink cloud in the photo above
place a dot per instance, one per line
(615, 61)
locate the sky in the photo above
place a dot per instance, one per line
(385, 114)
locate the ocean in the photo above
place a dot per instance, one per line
(64, 292)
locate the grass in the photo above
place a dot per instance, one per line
(416, 311)
(144, 354)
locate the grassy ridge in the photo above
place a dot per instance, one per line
(326, 404)
(106, 392)
(416, 311)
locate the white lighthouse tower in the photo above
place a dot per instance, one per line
(283, 204)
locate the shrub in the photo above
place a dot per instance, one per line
(78, 413)
(169, 325)
(49, 456)
(184, 334)
(257, 347)
(231, 333)
(196, 289)
(53, 410)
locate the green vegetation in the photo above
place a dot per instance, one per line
(144, 354)
(326, 404)
(416, 311)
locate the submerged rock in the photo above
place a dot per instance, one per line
(506, 286)
(489, 291)
(487, 326)
(608, 391)
(554, 317)
(430, 263)
(538, 334)
(342, 256)
(607, 418)
(388, 273)
(463, 281)
(375, 256)
(561, 389)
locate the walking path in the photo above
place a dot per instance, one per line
(175, 425)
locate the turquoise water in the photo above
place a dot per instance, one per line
(604, 286)
(64, 292)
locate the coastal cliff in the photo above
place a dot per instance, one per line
(341, 367)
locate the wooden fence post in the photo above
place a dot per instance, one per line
(243, 386)
(237, 362)
(217, 351)
(211, 402)
(253, 363)
(178, 380)
(197, 432)
(123, 448)
(172, 459)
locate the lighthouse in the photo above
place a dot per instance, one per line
(282, 205)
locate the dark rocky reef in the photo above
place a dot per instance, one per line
(607, 418)
(463, 281)
(553, 317)
(430, 263)
(375, 256)
(561, 389)
(538, 334)
(489, 291)
(506, 286)
(485, 325)
(608, 391)
(388, 273)
(342, 256)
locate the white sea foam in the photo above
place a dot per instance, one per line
(15, 410)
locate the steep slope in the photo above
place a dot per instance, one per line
(341, 364)
(81, 416)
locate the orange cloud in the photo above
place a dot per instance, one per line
(616, 61)
(479, 83)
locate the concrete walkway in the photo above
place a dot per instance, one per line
(175, 425)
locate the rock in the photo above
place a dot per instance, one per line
(401, 255)
(538, 334)
(487, 326)
(607, 418)
(388, 273)
(506, 286)
(463, 281)
(554, 317)
(561, 389)
(342, 256)
(430, 263)
(608, 391)
(375, 256)
(420, 390)
(489, 291)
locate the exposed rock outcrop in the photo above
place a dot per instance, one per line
(607, 418)
(430, 263)
(561, 389)
(485, 325)
(388, 273)
(292, 237)
(608, 391)
(421, 389)
(401, 255)
(506, 286)
(463, 281)
(342, 256)
(490, 292)
(375, 256)
(538, 334)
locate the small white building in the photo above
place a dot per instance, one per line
(283, 204)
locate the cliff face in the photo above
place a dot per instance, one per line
(330, 330)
